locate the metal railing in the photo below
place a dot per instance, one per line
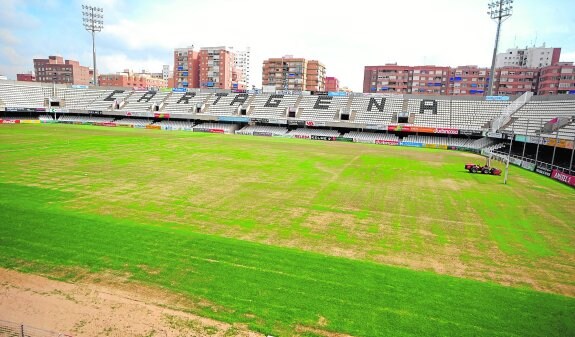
(537, 163)
(13, 329)
(509, 110)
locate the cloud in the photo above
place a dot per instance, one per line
(568, 56)
(14, 14)
(10, 54)
(7, 38)
(118, 62)
(143, 34)
(344, 39)
(11, 62)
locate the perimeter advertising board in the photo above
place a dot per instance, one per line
(543, 170)
(386, 142)
(328, 138)
(563, 177)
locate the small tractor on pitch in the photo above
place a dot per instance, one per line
(486, 169)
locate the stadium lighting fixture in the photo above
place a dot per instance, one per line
(93, 22)
(285, 69)
(498, 10)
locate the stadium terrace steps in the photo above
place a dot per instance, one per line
(85, 119)
(175, 125)
(271, 105)
(262, 130)
(308, 133)
(371, 137)
(298, 112)
(123, 103)
(24, 96)
(248, 104)
(108, 99)
(143, 101)
(133, 122)
(375, 110)
(79, 99)
(223, 103)
(352, 115)
(215, 128)
(511, 120)
(184, 102)
(321, 108)
(298, 101)
(503, 119)
(533, 115)
(465, 113)
(473, 114)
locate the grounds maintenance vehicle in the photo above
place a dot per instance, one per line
(485, 169)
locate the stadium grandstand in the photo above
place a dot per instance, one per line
(534, 132)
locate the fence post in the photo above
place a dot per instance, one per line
(572, 153)
(21, 330)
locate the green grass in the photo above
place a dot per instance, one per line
(256, 225)
(279, 288)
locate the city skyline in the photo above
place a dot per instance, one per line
(142, 35)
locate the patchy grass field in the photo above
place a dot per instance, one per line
(238, 222)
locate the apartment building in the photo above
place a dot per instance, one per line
(242, 62)
(535, 57)
(557, 79)
(55, 69)
(468, 80)
(292, 73)
(217, 68)
(511, 81)
(166, 72)
(28, 77)
(186, 72)
(331, 83)
(133, 80)
(429, 80)
(315, 79)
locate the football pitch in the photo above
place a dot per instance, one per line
(293, 236)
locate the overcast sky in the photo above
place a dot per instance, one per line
(345, 36)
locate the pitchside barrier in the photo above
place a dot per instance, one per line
(555, 172)
(174, 128)
(13, 329)
(411, 144)
(548, 170)
(563, 177)
(386, 142)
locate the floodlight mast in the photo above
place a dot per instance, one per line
(93, 22)
(498, 10)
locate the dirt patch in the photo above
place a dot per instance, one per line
(454, 185)
(469, 155)
(102, 309)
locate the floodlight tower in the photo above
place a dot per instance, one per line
(93, 22)
(285, 69)
(498, 10)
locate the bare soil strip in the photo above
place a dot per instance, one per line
(111, 308)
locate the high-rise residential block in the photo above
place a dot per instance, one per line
(186, 68)
(534, 57)
(55, 69)
(290, 73)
